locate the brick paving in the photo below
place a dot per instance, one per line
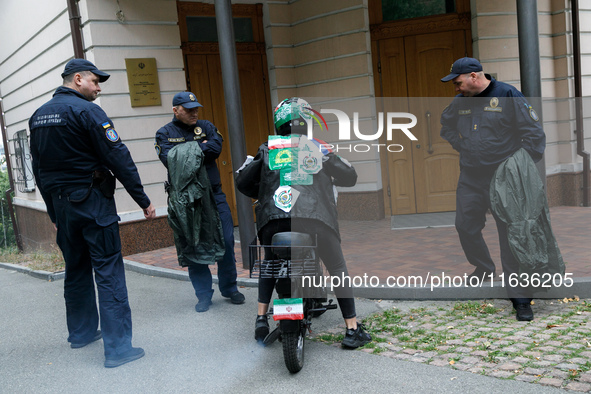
(483, 337)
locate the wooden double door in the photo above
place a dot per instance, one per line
(205, 77)
(423, 177)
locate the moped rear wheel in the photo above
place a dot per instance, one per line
(293, 350)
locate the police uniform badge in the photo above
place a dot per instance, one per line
(198, 133)
(110, 132)
(191, 97)
(493, 105)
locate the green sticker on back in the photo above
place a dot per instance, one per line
(289, 177)
(281, 158)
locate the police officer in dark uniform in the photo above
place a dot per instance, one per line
(75, 148)
(186, 126)
(487, 122)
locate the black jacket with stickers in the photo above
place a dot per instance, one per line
(316, 201)
(71, 138)
(488, 128)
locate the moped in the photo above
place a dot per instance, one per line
(295, 265)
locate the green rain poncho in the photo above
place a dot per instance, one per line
(192, 212)
(518, 198)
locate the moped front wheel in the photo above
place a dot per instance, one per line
(293, 350)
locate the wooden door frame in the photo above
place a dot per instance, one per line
(380, 30)
(256, 47)
(253, 11)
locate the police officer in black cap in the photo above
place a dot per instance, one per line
(76, 150)
(186, 126)
(487, 122)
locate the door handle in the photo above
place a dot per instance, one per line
(429, 137)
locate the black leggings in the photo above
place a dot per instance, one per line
(328, 249)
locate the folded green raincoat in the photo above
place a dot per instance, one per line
(192, 212)
(518, 198)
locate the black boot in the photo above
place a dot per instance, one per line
(261, 328)
(524, 312)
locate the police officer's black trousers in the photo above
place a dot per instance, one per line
(472, 203)
(88, 236)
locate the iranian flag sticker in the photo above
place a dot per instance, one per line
(288, 309)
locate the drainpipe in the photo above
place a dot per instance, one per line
(225, 29)
(8, 193)
(579, 101)
(529, 63)
(76, 29)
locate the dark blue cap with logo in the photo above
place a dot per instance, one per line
(461, 66)
(77, 65)
(186, 99)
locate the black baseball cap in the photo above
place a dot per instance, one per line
(76, 65)
(186, 99)
(464, 65)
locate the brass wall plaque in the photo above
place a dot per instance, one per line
(142, 77)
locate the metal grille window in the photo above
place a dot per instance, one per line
(204, 29)
(25, 181)
(404, 9)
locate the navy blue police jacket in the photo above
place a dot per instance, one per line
(490, 127)
(176, 132)
(71, 138)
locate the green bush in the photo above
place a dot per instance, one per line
(7, 237)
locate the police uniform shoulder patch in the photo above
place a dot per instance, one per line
(158, 149)
(220, 134)
(111, 134)
(533, 114)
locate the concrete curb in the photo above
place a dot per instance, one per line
(39, 274)
(177, 274)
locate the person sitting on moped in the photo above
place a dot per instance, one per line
(298, 194)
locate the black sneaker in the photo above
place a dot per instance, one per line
(261, 328)
(203, 305)
(98, 335)
(236, 297)
(524, 312)
(356, 338)
(131, 355)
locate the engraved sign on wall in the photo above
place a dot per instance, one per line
(142, 77)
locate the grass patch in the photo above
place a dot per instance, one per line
(473, 308)
(330, 338)
(44, 261)
(390, 316)
(493, 354)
